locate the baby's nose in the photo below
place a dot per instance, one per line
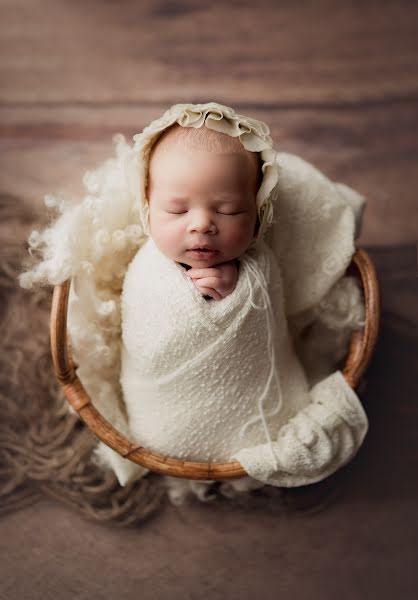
(202, 222)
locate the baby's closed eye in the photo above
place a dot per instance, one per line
(231, 213)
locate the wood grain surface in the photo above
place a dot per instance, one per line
(336, 82)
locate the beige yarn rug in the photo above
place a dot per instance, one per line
(45, 450)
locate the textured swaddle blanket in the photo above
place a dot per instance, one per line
(214, 381)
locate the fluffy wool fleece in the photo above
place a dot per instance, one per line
(93, 242)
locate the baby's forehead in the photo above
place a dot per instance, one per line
(203, 140)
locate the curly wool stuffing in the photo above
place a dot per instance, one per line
(92, 243)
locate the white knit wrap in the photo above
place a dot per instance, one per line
(194, 372)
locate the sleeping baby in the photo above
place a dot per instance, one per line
(202, 194)
(208, 368)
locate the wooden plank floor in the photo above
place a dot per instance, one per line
(336, 82)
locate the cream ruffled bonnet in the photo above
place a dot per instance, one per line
(253, 134)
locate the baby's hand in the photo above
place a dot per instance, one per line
(217, 282)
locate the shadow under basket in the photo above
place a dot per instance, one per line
(362, 345)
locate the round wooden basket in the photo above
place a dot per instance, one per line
(362, 345)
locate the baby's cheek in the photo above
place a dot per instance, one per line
(241, 234)
(169, 238)
(165, 235)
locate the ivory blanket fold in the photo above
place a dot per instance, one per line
(193, 371)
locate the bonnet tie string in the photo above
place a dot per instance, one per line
(254, 271)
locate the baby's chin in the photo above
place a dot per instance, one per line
(201, 264)
(204, 263)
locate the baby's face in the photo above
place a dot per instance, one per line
(202, 205)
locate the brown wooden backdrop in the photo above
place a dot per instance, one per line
(336, 81)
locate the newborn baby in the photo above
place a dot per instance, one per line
(202, 194)
(213, 381)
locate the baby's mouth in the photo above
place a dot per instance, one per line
(202, 252)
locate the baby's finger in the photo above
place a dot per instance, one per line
(199, 273)
(211, 282)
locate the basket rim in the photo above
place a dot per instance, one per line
(362, 346)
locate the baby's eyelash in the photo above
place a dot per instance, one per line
(230, 214)
(227, 214)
